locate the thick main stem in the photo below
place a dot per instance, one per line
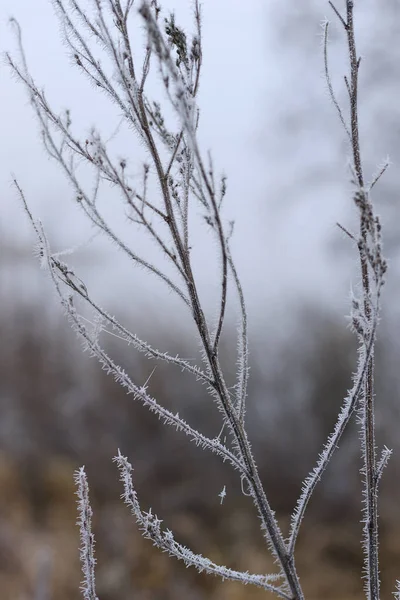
(371, 525)
(285, 558)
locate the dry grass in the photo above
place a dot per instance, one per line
(38, 530)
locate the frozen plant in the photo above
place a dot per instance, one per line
(187, 182)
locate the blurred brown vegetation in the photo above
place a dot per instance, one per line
(58, 410)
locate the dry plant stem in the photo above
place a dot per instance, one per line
(369, 422)
(369, 450)
(242, 442)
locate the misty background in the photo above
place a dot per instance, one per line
(268, 120)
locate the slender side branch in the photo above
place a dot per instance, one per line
(151, 527)
(85, 514)
(331, 445)
(329, 83)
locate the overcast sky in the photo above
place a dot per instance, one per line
(285, 181)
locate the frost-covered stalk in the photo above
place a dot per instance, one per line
(368, 227)
(188, 184)
(85, 514)
(151, 528)
(366, 310)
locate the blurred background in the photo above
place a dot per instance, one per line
(267, 117)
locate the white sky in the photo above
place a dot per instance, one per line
(285, 184)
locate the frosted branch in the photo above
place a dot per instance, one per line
(164, 539)
(85, 514)
(331, 445)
